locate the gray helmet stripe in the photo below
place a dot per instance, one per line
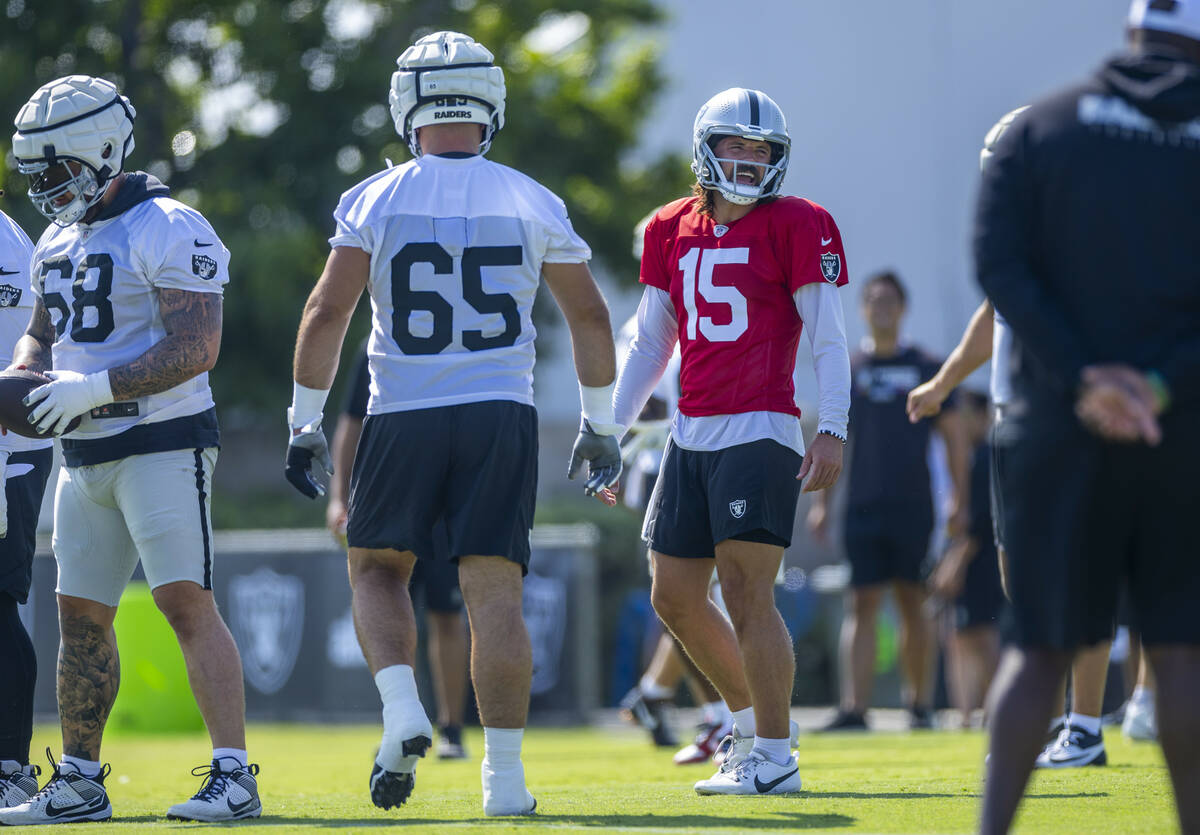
(754, 105)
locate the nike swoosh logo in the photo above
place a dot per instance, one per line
(58, 811)
(237, 808)
(763, 788)
(8, 272)
(826, 241)
(198, 244)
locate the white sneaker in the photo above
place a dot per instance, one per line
(753, 775)
(18, 786)
(66, 798)
(224, 795)
(393, 774)
(1140, 721)
(504, 792)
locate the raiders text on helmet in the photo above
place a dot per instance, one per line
(77, 119)
(750, 114)
(446, 77)
(993, 136)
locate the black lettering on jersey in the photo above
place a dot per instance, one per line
(406, 300)
(204, 266)
(9, 296)
(82, 298)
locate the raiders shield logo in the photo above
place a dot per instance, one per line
(9, 296)
(831, 266)
(267, 620)
(738, 508)
(204, 266)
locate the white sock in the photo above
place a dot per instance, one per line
(777, 751)
(502, 747)
(397, 684)
(1057, 720)
(715, 712)
(237, 754)
(743, 721)
(652, 690)
(1078, 721)
(88, 768)
(398, 690)
(1140, 695)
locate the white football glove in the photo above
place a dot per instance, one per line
(68, 395)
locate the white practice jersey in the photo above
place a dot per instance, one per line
(457, 247)
(100, 283)
(16, 303)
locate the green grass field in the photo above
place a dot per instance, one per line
(588, 780)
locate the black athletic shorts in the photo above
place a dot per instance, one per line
(473, 465)
(746, 492)
(1084, 517)
(24, 485)
(981, 599)
(889, 543)
(436, 578)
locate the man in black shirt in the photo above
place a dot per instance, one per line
(1086, 242)
(889, 509)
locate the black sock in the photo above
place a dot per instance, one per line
(19, 664)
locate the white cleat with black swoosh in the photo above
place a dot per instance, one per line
(753, 775)
(224, 796)
(68, 797)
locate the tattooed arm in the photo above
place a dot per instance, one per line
(193, 324)
(33, 348)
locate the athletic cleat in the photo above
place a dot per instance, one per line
(18, 786)
(392, 788)
(1074, 748)
(920, 719)
(1140, 720)
(846, 720)
(224, 795)
(650, 714)
(753, 775)
(67, 797)
(1055, 729)
(450, 744)
(735, 747)
(706, 743)
(504, 793)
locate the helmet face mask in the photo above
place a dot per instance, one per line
(72, 139)
(446, 78)
(752, 115)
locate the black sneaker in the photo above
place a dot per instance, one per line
(847, 720)
(1074, 748)
(651, 715)
(920, 718)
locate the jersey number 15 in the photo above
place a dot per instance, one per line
(697, 266)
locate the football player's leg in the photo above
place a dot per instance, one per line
(1177, 668)
(856, 648)
(917, 646)
(448, 646)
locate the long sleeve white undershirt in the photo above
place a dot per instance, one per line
(819, 307)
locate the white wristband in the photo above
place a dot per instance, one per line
(597, 402)
(307, 405)
(99, 388)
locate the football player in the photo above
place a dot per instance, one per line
(127, 323)
(451, 248)
(735, 274)
(24, 467)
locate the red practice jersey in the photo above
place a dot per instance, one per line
(732, 288)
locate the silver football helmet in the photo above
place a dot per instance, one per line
(446, 77)
(76, 119)
(750, 114)
(993, 136)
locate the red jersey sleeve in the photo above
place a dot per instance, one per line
(654, 270)
(816, 253)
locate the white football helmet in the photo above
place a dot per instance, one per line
(77, 119)
(446, 77)
(750, 114)
(993, 136)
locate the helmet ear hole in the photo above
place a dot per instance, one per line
(106, 151)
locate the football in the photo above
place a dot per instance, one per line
(14, 415)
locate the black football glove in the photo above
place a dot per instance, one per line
(603, 454)
(305, 447)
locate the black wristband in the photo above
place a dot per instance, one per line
(832, 434)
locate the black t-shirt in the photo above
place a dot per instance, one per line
(360, 387)
(887, 453)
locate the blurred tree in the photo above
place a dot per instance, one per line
(261, 113)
